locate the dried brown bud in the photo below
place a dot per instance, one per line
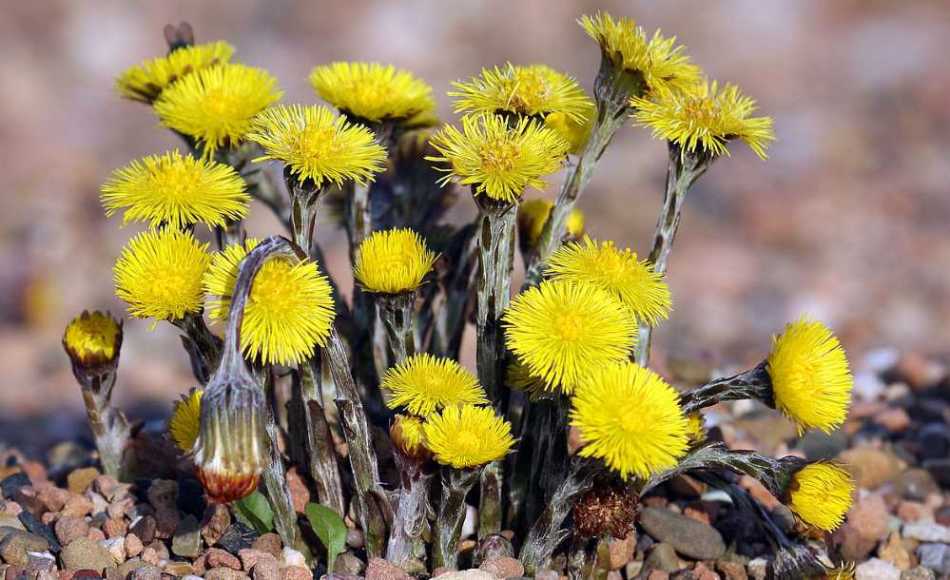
(606, 509)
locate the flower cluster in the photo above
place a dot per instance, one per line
(565, 358)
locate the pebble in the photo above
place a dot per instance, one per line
(935, 556)
(758, 568)
(15, 547)
(10, 521)
(701, 572)
(895, 551)
(876, 569)
(178, 569)
(266, 569)
(12, 484)
(144, 528)
(894, 419)
(927, 531)
(379, 569)
(621, 551)
(250, 558)
(916, 484)
(116, 547)
(237, 537)
(299, 494)
(467, 575)
(872, 467)
(269, 543)
(79, 480)
(224, 574)
(146, 572)
(869, 517)
(69, 528)
(291, 557)
(295, 573)
(37, 527)
(687, 536)
(77, 506)
(503, 567)
(662, 557)
(84, 553)
(918, 573)
(215, 523)
(218, 558)
(187, 539)
(731, 570)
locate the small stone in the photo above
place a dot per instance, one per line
(291, 557)
(16, 545)
(916, 484)
(69, 528)
(163, 494)
(266, 569)
(269, 543)
(918, 573)
(758, 568)
(872, 467)
(869, 517)
(218, 558)
(250, 557)
(146, 572)
(354, 539)
(348, 563)
(115, 528)
(37, 527)
(216, 521)
(853, 546)
(658, 575)
(896, 552)
(731, 570)
(876, 569)
(224, 574)
(927, 531)
(237, 537)
(187, 539)
(10, 521)
(379, 569)
(144, 528)
(688, 537)
(133, 545)
(106, 486)
(116, 547)
(179, 569)
(911, 511)
(166, 522)
(150, 555)
(548, 574)
(128, 566)
(12, 484)
(895, 420)
(296, 573)
(299, 494)
(84, 553)
(494, 546)
(663, 557)
(53, 498)
(935, 556)
(473, 574)
(504, 567)
(701, 572)
(79, 480)
(78, 506)
(120, 508)
(621, 551)
(40, 562)
(95, 534)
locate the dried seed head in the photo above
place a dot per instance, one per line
(606, 509)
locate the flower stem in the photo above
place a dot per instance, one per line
(321, 456)
(396, 313)
(751, 384)
(456, 483)
(412, 509)
(110, 428)
(683, 170)
(202, 346)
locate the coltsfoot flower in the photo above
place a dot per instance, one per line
(534, 213)
(318, 145)
(176, 190)
(617, 271)
(662, 64)
(372, 91)
(408, 437)
(159, 274)
(498, 160)
(821, 494)
(811, 381)
(704, 118)
(289, 311)
(530, 91)
(392, 261)
(185, 421)
(423, 384)
(146, 81)
(562, 331)
(630, 418)
(215, 106)
(467, 436)
(93, 340)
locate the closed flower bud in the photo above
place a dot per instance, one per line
(93, 340)
(409, 439)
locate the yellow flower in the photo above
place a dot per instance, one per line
(533, 215)
(289, 311)
(498, 160)
(423, 383)
(695, 428)
(93, 339)
(146, 81)
(185, 420)
(468, 436)
(392, 261)
(159, 274)
(659, 60)
(176, 190)
(574, 130)
(821, 494)
(619, 272)
(705, 118)
(372, 91)
(408, 436)
(563, 331)
(630, 418)
(843, 571)
(811, 381)
(318, 145)
(531, 91)
(215, 106)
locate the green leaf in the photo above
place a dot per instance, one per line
(330, 528)
(255, 511)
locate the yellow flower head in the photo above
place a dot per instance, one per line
(705, 118)
(499, 160)
(423, 384)
(92, 339)
(562, 331)
(811, 381)
(176, 190)
(372, 91)
(146, 81)
(288, 313)
(317, 145)
(215, 106)
(185, 420)
(533, 214)
(843, 571)
(392, 261)
(467, 436)
(159, 274)
(630, 418)
(659, 60)
(574, 130)
(408, 436)
(821, 494)
(531, 91)
(619, 272)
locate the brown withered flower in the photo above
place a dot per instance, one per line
(606, 509)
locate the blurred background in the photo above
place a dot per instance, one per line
(847, 220)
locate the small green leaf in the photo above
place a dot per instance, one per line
(255, 511)
(330, 528)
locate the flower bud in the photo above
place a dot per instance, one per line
(409, 439)
(93, 341)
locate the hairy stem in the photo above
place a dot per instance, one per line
(754, 383)
(396, 313)
(412, 510)
(110, 428)
(456, 484)
(202, 346)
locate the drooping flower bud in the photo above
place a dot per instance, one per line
(93, 341)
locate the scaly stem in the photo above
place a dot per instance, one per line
(456, 484)
(203, 347)
(110, 428)
(751, 384)
(412, 510)
(543, 456)
(683, 170)
(275, 480)
(396, 313)
(324, 468)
